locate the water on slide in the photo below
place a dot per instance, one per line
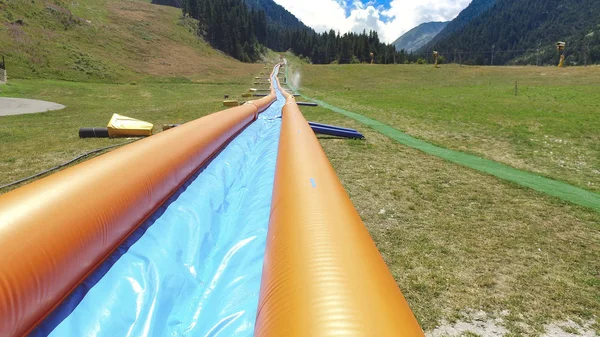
(194, 268)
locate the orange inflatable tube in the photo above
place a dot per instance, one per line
(323, 274)
(55, 232)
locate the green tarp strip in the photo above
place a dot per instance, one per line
(564, 191)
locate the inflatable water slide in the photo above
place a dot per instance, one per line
(234, 224)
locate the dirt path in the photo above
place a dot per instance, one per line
(20, 106)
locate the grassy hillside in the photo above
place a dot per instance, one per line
(107, 40)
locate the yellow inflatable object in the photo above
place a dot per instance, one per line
(231, 103)
(562, 61)
(123, 126)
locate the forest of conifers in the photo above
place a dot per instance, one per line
(241, 29)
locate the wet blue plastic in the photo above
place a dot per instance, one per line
(194, 268)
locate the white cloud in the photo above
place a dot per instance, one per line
(364, 18)
(321, 15)
(391, 22)
(407, 14)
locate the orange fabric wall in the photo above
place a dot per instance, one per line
(323, 274)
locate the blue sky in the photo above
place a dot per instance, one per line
(391, 18)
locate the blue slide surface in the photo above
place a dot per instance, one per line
(194, 268)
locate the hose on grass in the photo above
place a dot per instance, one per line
(63, 165)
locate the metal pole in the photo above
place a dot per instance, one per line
(586, 53)
(493, 47)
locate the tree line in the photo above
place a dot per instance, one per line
(243, 32)
(332, 47)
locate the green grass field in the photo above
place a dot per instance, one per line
(460, 241)
(550, 127)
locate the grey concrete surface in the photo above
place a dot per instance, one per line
(20, 106)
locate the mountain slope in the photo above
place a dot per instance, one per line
(475, 9)
(514, 29)
(275, 13)
(418, 36)
(108, 40)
